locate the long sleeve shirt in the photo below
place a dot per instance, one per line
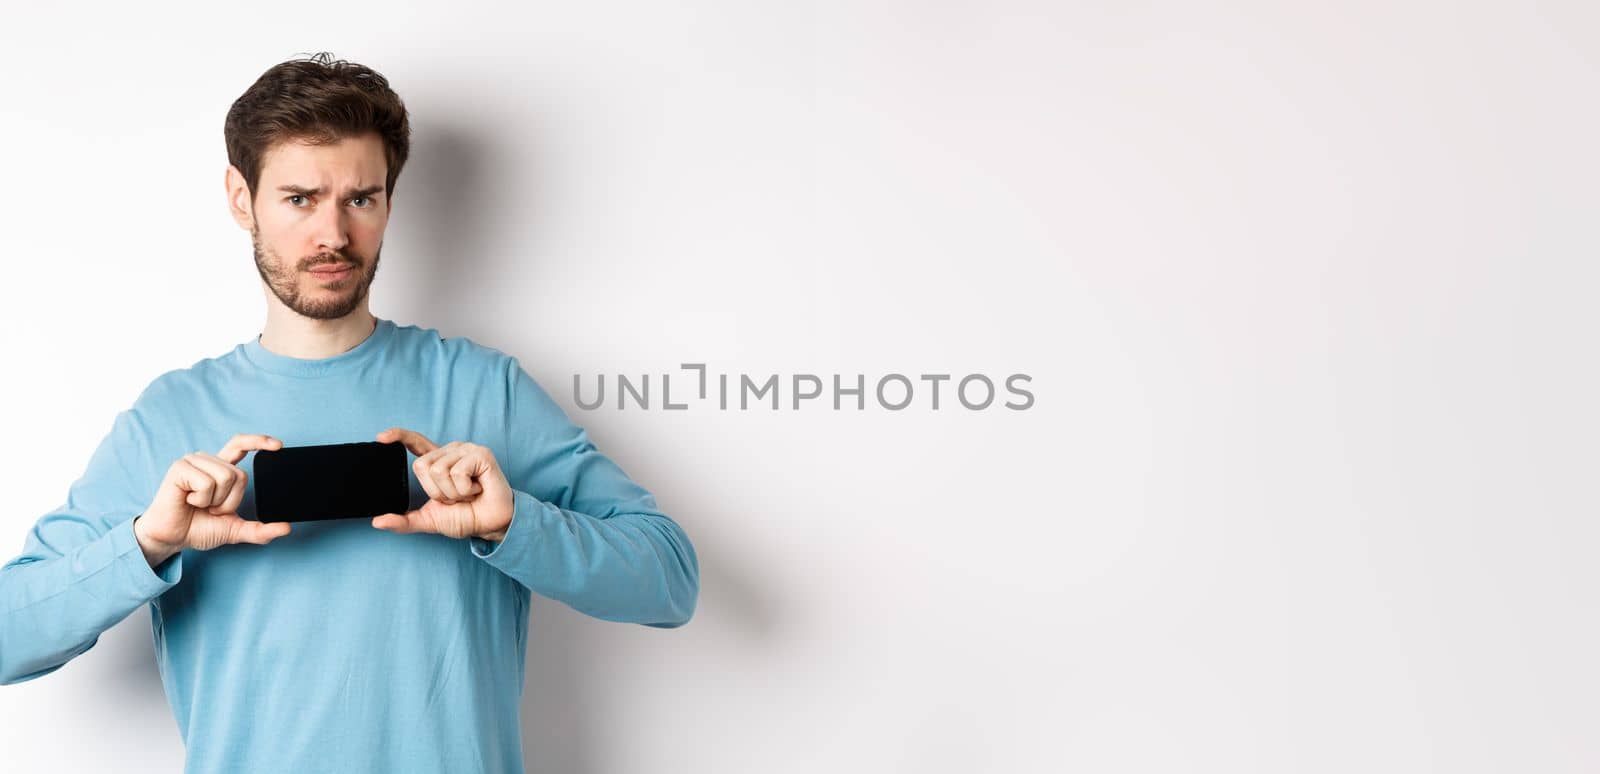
(342, 647)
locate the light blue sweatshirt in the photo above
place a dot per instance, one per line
(342, 647)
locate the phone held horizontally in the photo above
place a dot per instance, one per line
(332, 481)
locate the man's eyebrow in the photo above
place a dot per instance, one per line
(350, 194)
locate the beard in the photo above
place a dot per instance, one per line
(321, 303)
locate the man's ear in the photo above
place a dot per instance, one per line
(239, 204)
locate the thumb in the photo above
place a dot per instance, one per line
(401, 523)
(246, 531)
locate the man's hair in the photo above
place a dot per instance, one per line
(317, 100)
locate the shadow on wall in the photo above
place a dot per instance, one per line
(569, 654)
(442, 200)
(439, 202)
(132, 679)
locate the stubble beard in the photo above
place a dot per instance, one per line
(327, 304)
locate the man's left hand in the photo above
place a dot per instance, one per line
(468, 494)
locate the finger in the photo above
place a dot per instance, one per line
(235, 496)
(235, 489)
(420, 468)
(462, 473)
(440, 470)
(226, 476)
(416, 442)
(199, 484)
(229, 506)
(236, 447)
(440, 462)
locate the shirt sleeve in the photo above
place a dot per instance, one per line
(81, 570)
(582, 532)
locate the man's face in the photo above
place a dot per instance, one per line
(319, 215)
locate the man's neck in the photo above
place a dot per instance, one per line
(294, 335)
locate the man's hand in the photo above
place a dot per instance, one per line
(198, 501)
(469, 495)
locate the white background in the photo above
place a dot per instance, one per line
(1306, 291)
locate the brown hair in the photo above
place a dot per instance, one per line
(317, 100)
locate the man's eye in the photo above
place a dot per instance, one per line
(360, 199)
(291, 199)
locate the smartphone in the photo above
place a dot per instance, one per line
(333, 481)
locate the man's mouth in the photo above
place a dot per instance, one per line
(332, 271)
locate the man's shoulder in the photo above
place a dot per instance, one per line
(463, 356)
(182, 383)
(455, 351)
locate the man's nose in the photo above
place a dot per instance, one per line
(331, 234)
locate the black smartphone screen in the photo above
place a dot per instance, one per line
(334, 481)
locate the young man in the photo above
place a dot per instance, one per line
(395, 645)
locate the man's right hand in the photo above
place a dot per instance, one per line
(197, 505)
